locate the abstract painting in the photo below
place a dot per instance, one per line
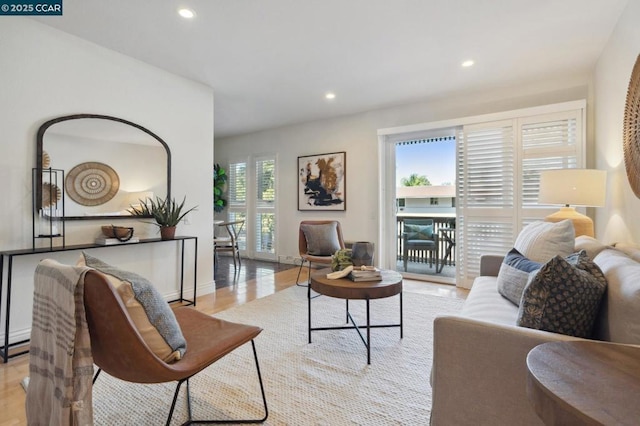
(322, 182)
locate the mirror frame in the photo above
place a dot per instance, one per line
(39, 169)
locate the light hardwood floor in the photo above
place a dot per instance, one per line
(12, 397)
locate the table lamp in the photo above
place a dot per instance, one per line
(135, 198)
(573, 187)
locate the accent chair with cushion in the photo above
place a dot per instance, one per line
(318, 240)
(131, 332)
(118, 348)
(419, 242)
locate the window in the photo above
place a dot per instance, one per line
(237, 197)
(265, 218)
(434, 201)
(252, 198)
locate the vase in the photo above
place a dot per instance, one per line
(167, 232)
(362, 253)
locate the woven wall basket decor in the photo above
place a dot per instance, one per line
(91, 183)
(631, 132)
(51, 194)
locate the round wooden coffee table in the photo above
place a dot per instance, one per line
(344, 288)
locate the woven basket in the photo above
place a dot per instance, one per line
(119, 232)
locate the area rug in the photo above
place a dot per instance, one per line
(327, 382)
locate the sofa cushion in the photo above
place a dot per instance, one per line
(484, 303)
(564, 296)
(418, 232)
(540, 241)
(322, 239)
(148, 310)
(631, 250)
(514, 274)
(619, 318)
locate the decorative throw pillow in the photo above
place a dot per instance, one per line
(564, 296)
(540, 241)
(514, 274)
(150, 313)
(418, 232)
(322, 240)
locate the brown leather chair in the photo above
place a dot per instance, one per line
(118, 348)
(303, 245)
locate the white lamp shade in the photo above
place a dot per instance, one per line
(133, 199)
(573, 187)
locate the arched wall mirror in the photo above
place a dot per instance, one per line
(108, 163)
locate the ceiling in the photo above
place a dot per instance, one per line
(270, 62)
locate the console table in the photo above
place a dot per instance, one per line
(10, 254)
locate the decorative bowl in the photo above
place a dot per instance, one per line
(118, 232)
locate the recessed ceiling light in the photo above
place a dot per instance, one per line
(187, 13)
(330, 95)
(468, 63)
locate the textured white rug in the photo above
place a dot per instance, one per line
(327, 382)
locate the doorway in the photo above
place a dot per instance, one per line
(425, 206)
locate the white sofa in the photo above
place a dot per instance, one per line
(479, 361)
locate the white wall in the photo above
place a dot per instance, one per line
(47, 73)
(357, 135)
(618, 221)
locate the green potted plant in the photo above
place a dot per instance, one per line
(219, 181)
(166, 212)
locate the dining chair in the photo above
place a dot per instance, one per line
(230, 242)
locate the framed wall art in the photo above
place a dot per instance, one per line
(322, 181)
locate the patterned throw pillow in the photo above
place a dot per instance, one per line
(564, 296)
(418, 232)
(514, 275)
(150, 313)
(322, 240)
(540, 241)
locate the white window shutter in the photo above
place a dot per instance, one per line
(265, 218)
(499, 166)
(486, 193)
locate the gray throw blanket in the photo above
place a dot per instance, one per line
(60, 363)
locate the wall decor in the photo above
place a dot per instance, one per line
(322, 182)
(46, 160)
(631, 130)
(92, 183)
(51, 194)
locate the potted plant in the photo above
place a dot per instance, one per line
(219, 181)
(166, 212)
